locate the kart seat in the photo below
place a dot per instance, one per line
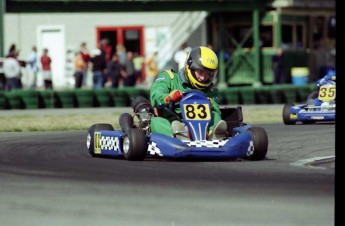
(232, 116)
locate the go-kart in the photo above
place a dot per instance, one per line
(320, 105)
(135, 141)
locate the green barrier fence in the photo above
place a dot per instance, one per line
(104, 98)
(121, 97)
(47, 99)
(2, 100)
(29, 98)
(66, 99)
(13, 100)
(230, 95)
(84, 98)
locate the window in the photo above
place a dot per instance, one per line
(244, 34)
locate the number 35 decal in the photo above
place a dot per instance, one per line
(197, 111)
(327, 93)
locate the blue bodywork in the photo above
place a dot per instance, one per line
(240, 145)
(320, 107)
(195, 108)
(303, 113)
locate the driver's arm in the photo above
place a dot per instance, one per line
(160, 89)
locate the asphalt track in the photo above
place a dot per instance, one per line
(48, 178)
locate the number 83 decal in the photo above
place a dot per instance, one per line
(197, 111)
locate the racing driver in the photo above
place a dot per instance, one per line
(199, 72)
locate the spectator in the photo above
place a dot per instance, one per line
(121, 51)
(115, 71)
(181, 54)
(12, 51)
(32, 67)
(278, 67)
(46, 69)
(152, 68)
(98, 67)
(107, 48)
(79, 65)
(86, 57)
(12, 72)
(131, 77)
(138, 65)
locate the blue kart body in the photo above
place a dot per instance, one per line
(132, 143)
(306, 114)
(110, 143)
(320, 106)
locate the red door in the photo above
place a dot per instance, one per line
(131, 37)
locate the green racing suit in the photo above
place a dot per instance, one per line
(166, 82)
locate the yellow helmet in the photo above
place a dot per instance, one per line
(201, 58)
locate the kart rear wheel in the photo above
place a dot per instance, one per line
(90, 135)
(260, 143)
(286, 114)
(134, 144)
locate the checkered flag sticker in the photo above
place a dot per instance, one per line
(207, 143)
(109, 143)
(153, 149)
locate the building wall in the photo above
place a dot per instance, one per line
(21, 29)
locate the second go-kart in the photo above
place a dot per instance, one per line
(134, 141)
(320, 105)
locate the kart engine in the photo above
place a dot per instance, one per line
(328, 106)
(144, 111)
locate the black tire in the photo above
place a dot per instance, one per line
(313, 95)
(90, 136)
(260, 142)
(126, 121)
(134, 144)
(286, 115)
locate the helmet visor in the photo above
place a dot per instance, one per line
(204, 76)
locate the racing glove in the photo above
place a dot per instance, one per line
(174, 96)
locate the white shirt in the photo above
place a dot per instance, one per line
(180, 57)
(11, 68)
(32, 62)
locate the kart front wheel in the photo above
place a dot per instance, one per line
(126, 121)
(260, 143)
(134, 144)
(90, 140)
(286, 115)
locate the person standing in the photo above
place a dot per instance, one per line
(152, 68)
(115, 71)
(181, 54)
(121, 52)
(12, 51)
(86, 57)
(138, 61)
(79, 65)
(12, 72)
(277, 67)
(46, 69)
(99, 66)
(32, 67)
(130, 79)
